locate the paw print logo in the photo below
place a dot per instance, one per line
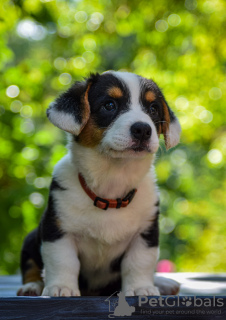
(186, 301)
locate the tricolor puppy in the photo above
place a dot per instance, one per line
(99, 232)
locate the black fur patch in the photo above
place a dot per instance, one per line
(70, 101)
(50, 229)
(111, 288)
(56, 186)
(151, 235)
(115, 265)
(31, 250)
(158, 213)
(157, 203)
(98, 97)
(82, 282)
(107, 290)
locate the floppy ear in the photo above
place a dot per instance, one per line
(170, 126)
(70, 112)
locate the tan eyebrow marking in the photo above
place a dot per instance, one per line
(150, 96)
(115, 92)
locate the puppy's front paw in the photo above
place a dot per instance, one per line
(31, 289)
(60, 291)
(143, 291)
(167, 286)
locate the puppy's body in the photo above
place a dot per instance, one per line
(84, 249)
(101, 237)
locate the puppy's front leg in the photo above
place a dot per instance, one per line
(138, 268)
(62, 267)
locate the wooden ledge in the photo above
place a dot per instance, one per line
(202, 296)
(88, 308)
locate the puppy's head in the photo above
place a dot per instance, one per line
(118, 113)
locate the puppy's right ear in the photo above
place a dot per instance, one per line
(71, 111)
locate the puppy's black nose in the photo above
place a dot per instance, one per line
(140, 131)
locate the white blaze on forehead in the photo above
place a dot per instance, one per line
(132, 82)
(118, 136)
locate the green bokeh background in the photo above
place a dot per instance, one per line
(46, 45)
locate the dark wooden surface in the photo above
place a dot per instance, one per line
(97, 308)
(192, 285)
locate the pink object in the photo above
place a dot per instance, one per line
(165, 266)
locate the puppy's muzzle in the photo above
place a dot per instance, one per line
(140, 131)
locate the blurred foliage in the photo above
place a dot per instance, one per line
(46, 45)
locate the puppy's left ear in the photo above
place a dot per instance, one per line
(170, 126)
(71, 111)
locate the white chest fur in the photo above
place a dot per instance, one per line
(101, 236)
(80, 217)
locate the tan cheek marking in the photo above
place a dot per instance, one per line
(150, 96)
(165, 124)
(166, 115)
(159, 129)
(33, 273)
(115, 92)
(91, 135)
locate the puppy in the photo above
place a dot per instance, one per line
(99, 232)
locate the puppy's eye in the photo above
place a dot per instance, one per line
(109, 106)
(153, 110)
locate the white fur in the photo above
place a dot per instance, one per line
(138, 269)
(173, 134)
(98, 236)
(132, 82)
(64, 121)
(61, 267)
(118, 140)
(93, 222)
